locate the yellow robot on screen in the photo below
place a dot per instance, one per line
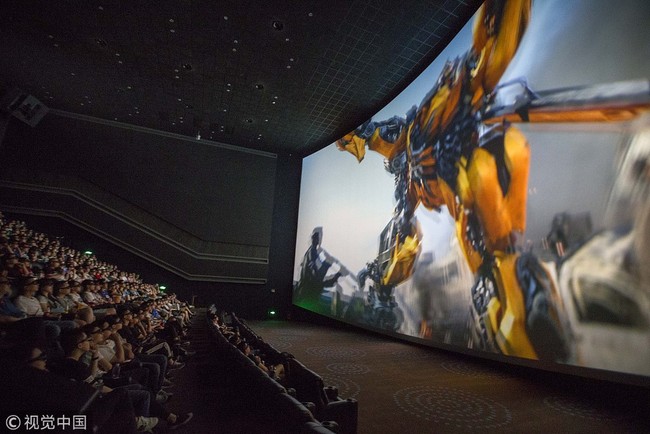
(459, 150)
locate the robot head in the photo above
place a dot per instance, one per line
(317, 236)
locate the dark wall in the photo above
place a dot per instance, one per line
(225, 195)
(283, 234)
(214, 192)
(200, 209)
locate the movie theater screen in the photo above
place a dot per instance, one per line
(500, 203)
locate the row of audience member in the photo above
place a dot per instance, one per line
(85, 321)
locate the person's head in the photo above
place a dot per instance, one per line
(244, 347)
(94, 331)
(46, 286)
(107, 329)
(61, 288)
(114, 322)
(37, 359)
(5, 286)
(27, 286)
(10, 260)
(87, 285)
(127, 316)
(74, 286)
(75, 340)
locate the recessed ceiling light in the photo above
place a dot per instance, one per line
(72, 73)
(235, 41)
(180, 99)
(275, 97)
(50, 36)
(227, 90)
(286, 40)
(225, 17)
(291, 59)
(176, 76)
(259, 86)
(56, 45)
(266, 120)
(187, 66)
(129, 87)
(272, 102)
(172, 31)
(277, 25)
(310, 14)
(288, 66)
(225, 110)
(117, 54)
(120, 62)
(101, 8)
(171, 20)
(234, 49)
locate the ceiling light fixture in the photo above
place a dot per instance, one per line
(277, 25)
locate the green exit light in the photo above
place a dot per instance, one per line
(272, 312)
(88, 253)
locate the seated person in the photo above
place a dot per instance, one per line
(77, 345)
(30, 305)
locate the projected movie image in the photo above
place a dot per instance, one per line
(501, 202)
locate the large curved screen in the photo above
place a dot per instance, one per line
(501, 202)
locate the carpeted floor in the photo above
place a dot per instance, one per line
(404, 388)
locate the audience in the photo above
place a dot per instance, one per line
(70, 317)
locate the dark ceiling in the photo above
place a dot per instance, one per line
(278, 76)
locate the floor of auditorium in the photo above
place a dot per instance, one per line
(405, 388)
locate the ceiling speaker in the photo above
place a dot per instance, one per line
(23, 106)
